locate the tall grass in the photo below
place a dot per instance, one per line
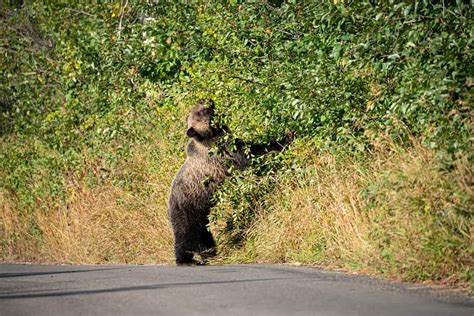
(105, 210)
(97, 225)
(393, 212)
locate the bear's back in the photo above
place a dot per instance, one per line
(198, 178)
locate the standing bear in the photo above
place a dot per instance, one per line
(197, 180)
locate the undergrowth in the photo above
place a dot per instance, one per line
(393, 211)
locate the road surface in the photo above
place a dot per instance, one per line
(213, 290)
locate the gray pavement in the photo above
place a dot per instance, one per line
(213, 290)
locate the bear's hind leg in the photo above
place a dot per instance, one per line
(184, 252)
(184, 256)
(208, 246)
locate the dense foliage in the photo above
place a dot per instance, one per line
(83, 85)
(334, 71)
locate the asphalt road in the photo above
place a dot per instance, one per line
(213, 290)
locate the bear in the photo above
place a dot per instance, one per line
(190, 197)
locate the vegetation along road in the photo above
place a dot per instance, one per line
(213, 290)
(378, 178)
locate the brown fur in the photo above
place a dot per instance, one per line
(195, 183)
(192, 189)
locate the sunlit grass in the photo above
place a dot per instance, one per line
(395, 213)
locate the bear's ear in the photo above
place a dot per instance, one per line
(211, 104)
(191, 132)
(208, 103)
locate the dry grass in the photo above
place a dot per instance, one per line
(394, 213)
(121, 217)
(98, 225)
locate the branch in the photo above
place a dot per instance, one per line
(124, 4)
(81, 12)
(247, 80)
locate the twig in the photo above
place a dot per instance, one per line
(6, 48)
(124, 4)
(247, 80)
(81, 12)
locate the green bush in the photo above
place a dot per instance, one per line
(325, 69)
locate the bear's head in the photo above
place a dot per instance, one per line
(200, 121)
